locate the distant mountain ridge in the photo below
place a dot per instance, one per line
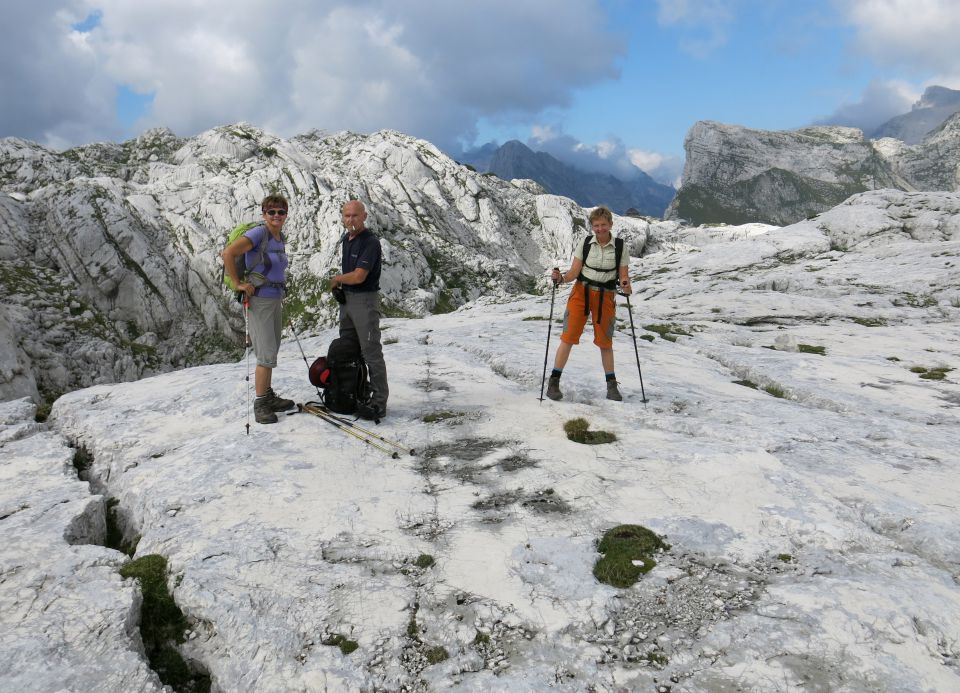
(933, 109)
(736, 175)
(514, 159)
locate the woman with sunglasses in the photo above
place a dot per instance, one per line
(263, 287)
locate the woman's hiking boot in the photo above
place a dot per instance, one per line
(553, 388)
(613, 392)
(262, 410)
(278, 403)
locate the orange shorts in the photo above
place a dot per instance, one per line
(574, 319)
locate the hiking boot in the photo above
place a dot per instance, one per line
(553, 388)
(613, 392)
(262, 411)
(278, 403)
(371, 411)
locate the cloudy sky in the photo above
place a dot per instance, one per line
(604, 83)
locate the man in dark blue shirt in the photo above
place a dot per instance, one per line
(360, 313)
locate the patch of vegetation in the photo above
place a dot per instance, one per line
(343, 642)
(444, 303)
(623, 547)
(915, 300)
(785, 557)
(391, 310)
(162, 625)
(481, 639)
(268, 151)
(776, 391)
(812, 349)
(424, 561)
(390, 340)
(667, 332)
(657, 658)
(442, 416)
(114, 539)
(305, 293)
(892, 358)
(649, 337)
(578, 431)
(43, 410)
(534, 317)
(436, 654)
(746, 383)
(938, 373)
(870, 322)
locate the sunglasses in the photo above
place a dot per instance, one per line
(276, 212)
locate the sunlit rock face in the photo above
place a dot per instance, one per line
(738, 175)
(109, 253)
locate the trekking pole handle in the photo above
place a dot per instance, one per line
(555, 282)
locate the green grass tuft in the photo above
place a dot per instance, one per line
(424, 560)
(776, 391)
(785, 557)
(746, 383)
(667, 332)
(437, 654)
(577, 431)
(343, 642)
(623, 545)
(938, 373)
(812, 349)
(870, 322)
(481, 639)
(162, 625)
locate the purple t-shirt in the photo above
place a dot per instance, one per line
(274, 266)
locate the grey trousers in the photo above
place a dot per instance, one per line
(360, 320)
(266, 324)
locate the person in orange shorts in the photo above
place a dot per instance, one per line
(600, 266)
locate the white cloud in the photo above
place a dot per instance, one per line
(920, 34)
(880, 101)
(705, 23)
(430, 69)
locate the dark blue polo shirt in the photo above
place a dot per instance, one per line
(364, 252)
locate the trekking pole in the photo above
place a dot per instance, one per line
(314, 407)
(633, 332)
(297, 337)
(246, 345)
(546, 355)
(320, 414)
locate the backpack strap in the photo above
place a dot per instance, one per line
(263, 258)
(618, 255)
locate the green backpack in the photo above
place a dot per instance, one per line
(241, 266)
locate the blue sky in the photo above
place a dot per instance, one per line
(601, 83)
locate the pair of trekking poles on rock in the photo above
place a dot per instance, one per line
(633, 332)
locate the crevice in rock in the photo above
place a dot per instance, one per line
(162, 625)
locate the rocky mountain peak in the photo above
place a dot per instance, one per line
(935, 106)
